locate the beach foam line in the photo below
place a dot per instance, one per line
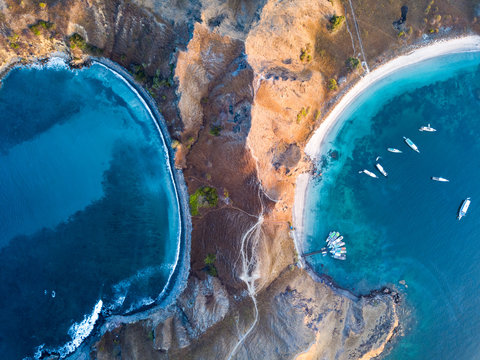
(78, 332)
(313, 149)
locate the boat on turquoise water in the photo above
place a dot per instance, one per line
(369, 173)
(411, 144)
(440, 179)
(381, 169)
(339, 244)
(427, 128)
(393, 150)
(464, 208)
(340, 257)
(332, 236)
(339, 251)
(336, 241)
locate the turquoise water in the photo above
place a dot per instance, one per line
(88, 211)
(404, 227)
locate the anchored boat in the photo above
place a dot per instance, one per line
(440, 179)
(464, 208)
(393, 150)
(427, 128)
(369, 173)
(381, 169)
(411, 144)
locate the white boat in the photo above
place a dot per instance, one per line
(336, 241)
(427, 128)
(393, 150)
(340, 257)
(381, 169)
(341, 243)
(440, 179)
(369, 173)
(464, 208)
(411, 144)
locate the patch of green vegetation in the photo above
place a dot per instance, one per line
(139, 73)
(204, 196)
(77, 41)
(302, 114)
(41, 25)
(317, 115)
(305, 54)
(13, 39)
(151, 335)
(429, 7)
(332, 85)
(159, 81)
(336, 22)
(352, 63)
(210, 264)
(42, 5)
(190, 142)
(215, 130)
(401, 34)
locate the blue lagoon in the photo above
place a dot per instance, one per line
(89, 213)
(402, 230)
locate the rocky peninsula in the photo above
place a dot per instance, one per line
(241, 85)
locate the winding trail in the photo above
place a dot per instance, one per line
(249, 269)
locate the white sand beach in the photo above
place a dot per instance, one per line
(313, 147)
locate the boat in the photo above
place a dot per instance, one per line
(324, 251)
(342, 250)
(393, 150)
(341, 243)
(335, 235)
(464, 208)
(381, 169)
(411, 144)
(369, 173)
(340, 257)
(336, 241)
(427, 128)
(440, 179)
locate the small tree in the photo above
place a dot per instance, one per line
(352, 63)
(332, 85)
(336, 22)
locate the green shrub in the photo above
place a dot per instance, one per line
(336, 22)
(352, 63)
(77, 41)
(42, 5)
(210, 259)
(210, 264)
(332, 85)
(305, 54)
(204, 196)
(41, 24)
(215, 130)
(302, 113)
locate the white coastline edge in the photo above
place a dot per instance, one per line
(469, 43)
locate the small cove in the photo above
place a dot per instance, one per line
(90, 216)
(404, 227)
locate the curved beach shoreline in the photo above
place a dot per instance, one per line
(314, 145)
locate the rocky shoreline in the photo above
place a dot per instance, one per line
(242, 86)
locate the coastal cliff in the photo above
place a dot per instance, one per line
(241, 86)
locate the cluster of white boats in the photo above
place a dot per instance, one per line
(465, 204)
(336, 246)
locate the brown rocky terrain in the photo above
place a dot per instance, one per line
(241, 85)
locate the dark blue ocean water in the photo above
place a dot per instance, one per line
(404, 227)
(88, 211)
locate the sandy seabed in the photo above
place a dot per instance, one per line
(313, 148)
